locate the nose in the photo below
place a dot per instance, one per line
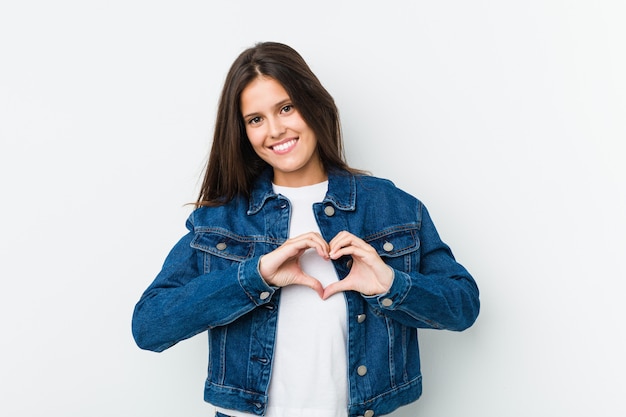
(276, 127)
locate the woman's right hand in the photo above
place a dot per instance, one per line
(281, 267)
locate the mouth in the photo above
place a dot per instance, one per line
(285, 146)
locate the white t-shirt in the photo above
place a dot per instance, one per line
(309, 372)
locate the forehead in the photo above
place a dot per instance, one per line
(262, 92)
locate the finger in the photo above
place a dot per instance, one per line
(309, 281)
(296, 247)
(361, 252)
(312, 240)
(336, 287)
(310, 236)
(344, 240)
(320, 246)
(340, 238)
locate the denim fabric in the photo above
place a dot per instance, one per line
(210, 281)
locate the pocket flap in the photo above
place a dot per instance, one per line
(224, 244)
(395, 241)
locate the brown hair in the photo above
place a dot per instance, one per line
(233, 165)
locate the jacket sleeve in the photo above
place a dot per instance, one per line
(182, 301)
(440, 295)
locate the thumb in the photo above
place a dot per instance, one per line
(335, 287)
(309, 281)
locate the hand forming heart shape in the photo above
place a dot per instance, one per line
(368, 275)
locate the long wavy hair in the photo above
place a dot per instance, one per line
(233, 165)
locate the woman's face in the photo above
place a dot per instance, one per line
(279, 135)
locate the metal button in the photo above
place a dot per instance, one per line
(361, 370)
(388, 246)
(387, 302)
(369, 413)
(221, 246)
(360, 318)
(264, 295)
(329, 210)
(349, 263)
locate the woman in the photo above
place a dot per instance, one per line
(311, 277)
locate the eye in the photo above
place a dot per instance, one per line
(254, 121)
(286, 108)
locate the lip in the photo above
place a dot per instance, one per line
(284, 146)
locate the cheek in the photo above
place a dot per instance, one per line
(301, 126)
(255, 138)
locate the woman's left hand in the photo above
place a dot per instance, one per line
(368, 275)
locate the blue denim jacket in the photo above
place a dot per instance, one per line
(210, 281)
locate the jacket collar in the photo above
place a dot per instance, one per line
(341, 191)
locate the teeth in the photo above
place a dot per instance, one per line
(284, 146)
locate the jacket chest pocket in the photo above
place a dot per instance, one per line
(398, 247)
(221, 249)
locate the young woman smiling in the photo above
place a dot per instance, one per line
(310, 277)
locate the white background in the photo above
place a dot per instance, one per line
(507, 118)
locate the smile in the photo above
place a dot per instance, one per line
(285, 146)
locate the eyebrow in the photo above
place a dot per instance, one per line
(277, 105)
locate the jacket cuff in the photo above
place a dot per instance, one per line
(398, 291)
(253, 283)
